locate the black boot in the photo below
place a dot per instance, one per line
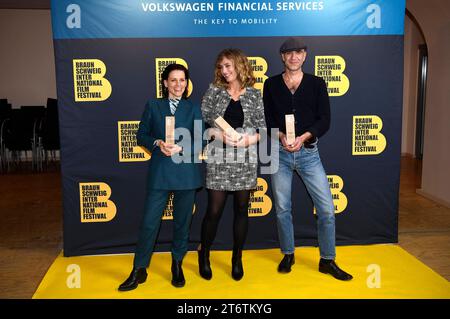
(204, 266)
(286, 263)
(177, 274)
(329, 267)
(137, 276)
(237, 271)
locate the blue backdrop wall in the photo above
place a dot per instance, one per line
(109, 57)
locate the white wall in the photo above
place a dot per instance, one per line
(412, 40)
(27, 63)
(434, 19)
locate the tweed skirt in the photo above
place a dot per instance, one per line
(233, 171)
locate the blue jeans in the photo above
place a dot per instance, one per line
(306, 162)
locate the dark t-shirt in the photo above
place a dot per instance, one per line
(234, 114)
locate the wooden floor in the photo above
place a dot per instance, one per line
(424, 225)
(31, 227)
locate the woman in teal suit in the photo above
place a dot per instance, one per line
(173, 168)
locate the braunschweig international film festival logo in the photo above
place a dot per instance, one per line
(340, 200)
(129, 151)
(259, 67)
(331, 69)
(260, 202)
(89, 80)
(367, 136)
(95, 205)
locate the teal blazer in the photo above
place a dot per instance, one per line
(180, 171)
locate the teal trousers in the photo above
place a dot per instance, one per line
(156, 201)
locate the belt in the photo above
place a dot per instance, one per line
(308, 143)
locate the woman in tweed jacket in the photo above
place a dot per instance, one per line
(231, 164)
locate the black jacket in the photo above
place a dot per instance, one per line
(310, 105)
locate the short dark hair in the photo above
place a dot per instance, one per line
(165, 76)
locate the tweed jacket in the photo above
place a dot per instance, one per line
(241, 174)
(216, 100)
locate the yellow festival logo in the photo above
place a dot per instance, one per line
(367, 137)
(129, 151)
(160, 65)
(95, 205)
(331, 69)
(260, 203)
(340, 200)
(259, 66)
(89, 81)
(168, 211)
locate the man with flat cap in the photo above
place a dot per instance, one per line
(304, 96)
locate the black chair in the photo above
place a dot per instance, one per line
(35, 115)
(22, 132)
(50, 131)
(5, 114)
(5, 109)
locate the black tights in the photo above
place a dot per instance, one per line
(216, 204)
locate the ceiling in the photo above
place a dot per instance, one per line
(24, 4)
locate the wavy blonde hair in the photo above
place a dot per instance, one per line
(241, 65)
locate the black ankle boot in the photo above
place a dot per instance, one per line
(204, 266)
(237, 271)
(137, 276)
(177, 274)
(286, 263)
(330, 267)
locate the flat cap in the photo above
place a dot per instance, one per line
(292, 44)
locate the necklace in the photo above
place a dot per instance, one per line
(291, 82)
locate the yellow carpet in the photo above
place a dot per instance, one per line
(380, 271)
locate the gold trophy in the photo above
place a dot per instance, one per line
(224, 126)
(290, 128)
(170, 129)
